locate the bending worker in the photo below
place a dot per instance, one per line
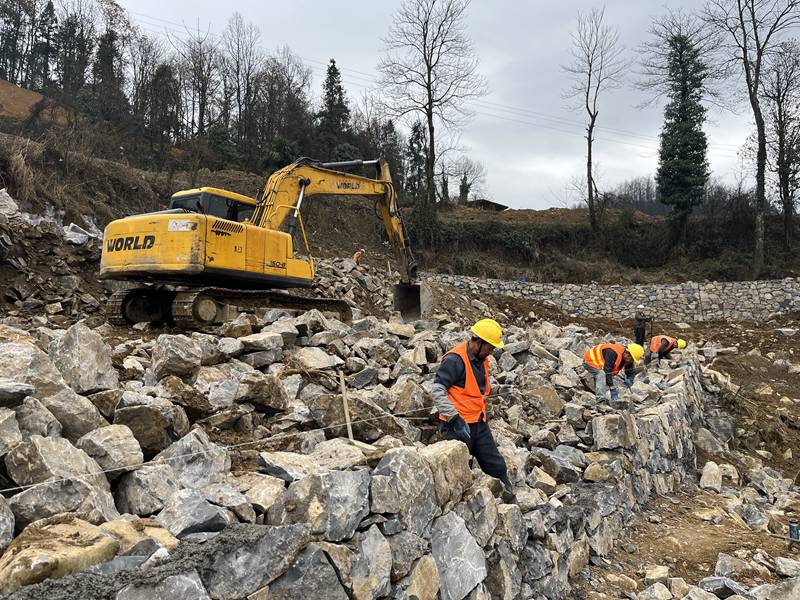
(661, 346)
(606, 360)
(460, 390)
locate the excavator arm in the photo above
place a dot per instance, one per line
(281, 200)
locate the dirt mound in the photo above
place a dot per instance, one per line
(23, 106)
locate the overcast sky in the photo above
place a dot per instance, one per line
(523, 131)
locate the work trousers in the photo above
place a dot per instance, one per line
(599, 381)
(483, 447)
(639, 331)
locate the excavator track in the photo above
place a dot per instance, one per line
(190, 307)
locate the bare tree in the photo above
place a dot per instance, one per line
(430, 69)
(782, 93)
(752, 29)
(200, 70)
(597, 65)
(471, 175)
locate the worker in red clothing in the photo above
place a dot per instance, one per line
(603, 361)
(460, 390)
(661, 346)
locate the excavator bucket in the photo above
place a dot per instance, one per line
(412, 300)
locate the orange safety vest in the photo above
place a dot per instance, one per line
(594, 356)
(655, 342)
(469, 401)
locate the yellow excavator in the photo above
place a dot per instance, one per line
(213, 249)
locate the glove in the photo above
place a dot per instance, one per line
(614, 394)
(628, 384)
(460, 429)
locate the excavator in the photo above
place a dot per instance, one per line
(213, 249)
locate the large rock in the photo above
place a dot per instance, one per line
(196, 460)
(264, 391)
(155, 422)
(372, 567)
(73, 495)
(189, 512)
(253, 557)
(787, 567)
(12, 393)
(406, 549)
(34, 418)
(312, 359)
(311, 576)
(403, 484)
(333, 504)
(711, 478)
(261, 342)
(6, 524)
(84, 360)
(54, 550)
(175, 355)
(613, 431)
(10, 434)
(504, 580)
(449, 464)
(511, 526)
(288, 465)
(373, 421)
(424, 580)
(338, 454)
(186, 586)
(459, 559)
(262, 491)
(39, 459)
(113, 448)
(25, 363)
(479, 511)
(224, 494)
(722, 587)
(145, 491)
(77, 415)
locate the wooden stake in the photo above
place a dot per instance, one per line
(346, 406)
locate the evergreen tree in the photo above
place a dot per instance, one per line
(415, 164)
(682, 163)
(390, 148)
(334, 117)
(107, 99)
(74, 44)
(43, 52)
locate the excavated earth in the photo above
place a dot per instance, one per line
(158, 463)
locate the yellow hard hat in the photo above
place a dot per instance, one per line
(489, 331)
(637, 352)
(681, 344)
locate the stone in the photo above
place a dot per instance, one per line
(12, 393)
(338, 454)
(53, 550)
(177, 355)
(372, 567)
(187, 511)
(311, 576)
(596, 473)
(540, 480)
(145, 491)
(23, 362)
(511, 526)
(263, 391)
(707, 442)
(250, 557)
(578, 556)
(730, 566)
(10, 434)
(722, 587)
(612, 431)
(288, 465)
(73, 495)
(656, 574)
(262, 491)
(424, 580)
(84, 360)
(374, 422)
(136, 534)
(677, 586)
(113, 448)
(156, 423)
(549, 399)
(711, 478)
(787, 567)
(196, 460)
(6, 524)
(402, 484)
(186, 586)
(285, 328)
(76, 414)
(342, 558)
(657, 591)
(333, 503)
(313, 358)
(479, 512)
(786, 590)
(265, 341)
(449, 464)
(38, 459)
(406, 549)
(225, 495)
(106, 401)
(621, 582)
(459, 560)
(504, 579)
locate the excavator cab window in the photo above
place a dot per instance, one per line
(217, 206)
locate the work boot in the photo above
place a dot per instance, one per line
(507, 495)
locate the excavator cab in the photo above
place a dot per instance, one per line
(214, 202)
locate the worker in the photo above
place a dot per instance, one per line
(661, 346)
(359, 256)
(640, 329)
(460, 390)
(603, 361)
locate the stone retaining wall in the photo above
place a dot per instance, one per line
(735, 300)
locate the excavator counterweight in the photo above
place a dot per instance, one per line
(213, 249)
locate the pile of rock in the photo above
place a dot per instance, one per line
(216, 465)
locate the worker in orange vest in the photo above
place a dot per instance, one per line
(661, 346)
(358, 256)
(603, 361)
(460, 390)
